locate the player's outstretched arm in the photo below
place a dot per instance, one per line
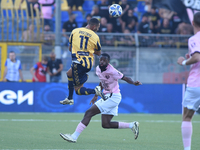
(194, 59)
(130, 81)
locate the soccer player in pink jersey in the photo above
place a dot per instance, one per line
(109, 77)
(191, 101)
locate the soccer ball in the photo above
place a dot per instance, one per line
(115, 10)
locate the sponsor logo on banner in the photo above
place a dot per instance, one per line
(9, 97)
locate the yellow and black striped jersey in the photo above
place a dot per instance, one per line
(84, 42)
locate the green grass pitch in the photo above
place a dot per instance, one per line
(41, 131)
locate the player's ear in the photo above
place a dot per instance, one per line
(193, 24)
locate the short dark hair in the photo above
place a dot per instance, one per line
(94, 21)
(45, 58)
(89, 15)
(197, 19)
(11, 52)
(106, 55)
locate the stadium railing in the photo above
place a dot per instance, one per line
(150, 58)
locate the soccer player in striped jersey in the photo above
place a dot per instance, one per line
(84, 43)
(109, 77)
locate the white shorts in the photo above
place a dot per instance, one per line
(109, 106)
(192, 98)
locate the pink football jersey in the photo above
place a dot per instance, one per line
(194, 75)
(109, 79)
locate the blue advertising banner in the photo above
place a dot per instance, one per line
(45, 97)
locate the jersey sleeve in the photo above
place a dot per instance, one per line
(98, 45)
(35, 66)
(194, 46)
(117, 74)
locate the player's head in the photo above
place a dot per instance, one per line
(94, 24)
(12, 56)
(196, 20)
(44, 60)
(104, 61)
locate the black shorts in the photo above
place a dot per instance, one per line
(79, 74)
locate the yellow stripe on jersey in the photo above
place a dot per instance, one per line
(84, 42)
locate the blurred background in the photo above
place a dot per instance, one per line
(144, 43)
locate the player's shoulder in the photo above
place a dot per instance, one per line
(194, 38)
(112, 69)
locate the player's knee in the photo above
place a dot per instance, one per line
(105, 125)
(88, 113)
(78, 93)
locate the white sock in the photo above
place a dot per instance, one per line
(187, 148)
(75, 135)
(130, 125)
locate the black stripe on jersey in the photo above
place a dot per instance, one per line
(74, 57)
(83, 53)
(90, 61)
(98, 46)
(194, 52)
(86, 64)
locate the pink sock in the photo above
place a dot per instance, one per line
(123, 125)
(186, 133)
(80, 127)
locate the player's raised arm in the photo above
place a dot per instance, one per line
(130, 81)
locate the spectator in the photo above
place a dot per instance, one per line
(95, 12)
(54, 68)
(116, 23)
(127, 39)
(110, 2)
(13, 69)
(29, 35)
(88, 17)
(103, 25)
(29, 3)
(49, 38)
(68, 26)
(47, 13)
(131, 26)
(39, 70)
(165, 28)
(103, 9)
(129, 18)
(125, 6)
(144, 26)
(77, 3)
(176, 20)
(184, 29)
(109, 39)
(154, 20)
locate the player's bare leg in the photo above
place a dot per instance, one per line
(107, 124)
(69, 100)
(94, 110)
(186, 128)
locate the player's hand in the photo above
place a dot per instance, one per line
(180, 60)
(94, 99)
(4, 79)
(36, 79)
(137, 83)
(187, 56)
